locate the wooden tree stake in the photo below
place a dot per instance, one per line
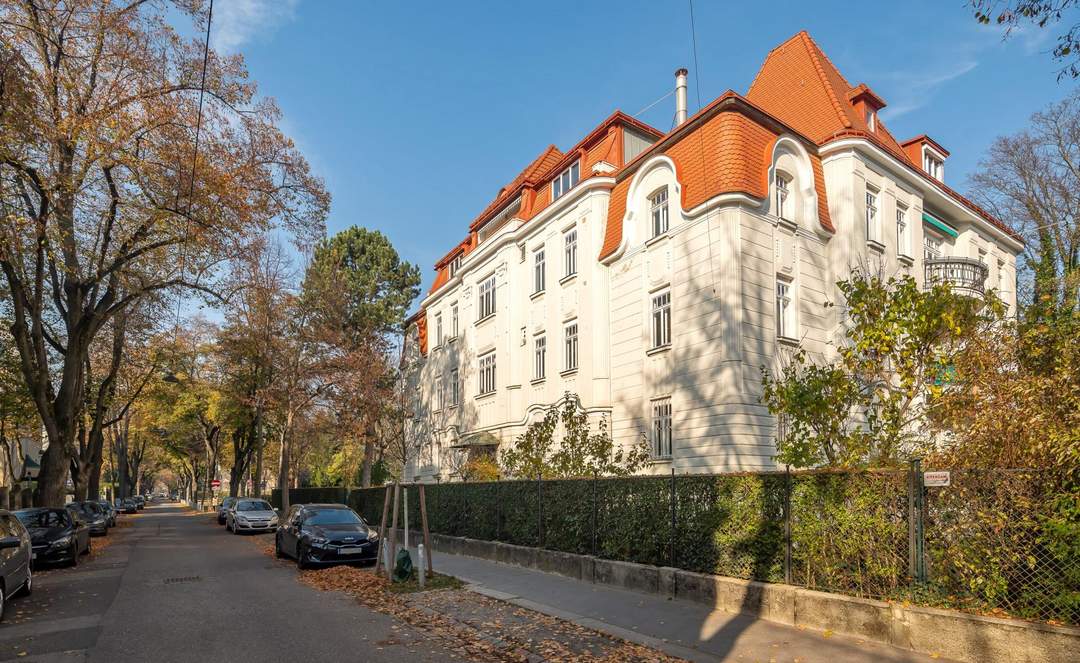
(382, 528)
(427, 536)
(393, 533)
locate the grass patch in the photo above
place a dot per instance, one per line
(437, 581)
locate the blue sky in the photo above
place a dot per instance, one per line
(417, 113)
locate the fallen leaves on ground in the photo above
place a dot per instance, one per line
(477, 627)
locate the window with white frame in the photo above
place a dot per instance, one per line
(455, 388)
(539, 269)
(438, 329)
(566, 180)
(539, 357)
(661, 319)
(931, 246)
(783, 188)
(570, 252)
(570, 347)
(785, 309)
(661, 428)
(453, 320)
(903, 232)
(455, 265)
(487, 373)
(658, 204)
(487, 297)
(439, 404)
(872, 233)
(933, 166)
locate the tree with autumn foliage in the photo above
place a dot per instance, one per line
(131, 165)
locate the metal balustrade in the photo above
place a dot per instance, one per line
(963, 274)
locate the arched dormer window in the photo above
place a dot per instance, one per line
(784, 202)
(658, 211)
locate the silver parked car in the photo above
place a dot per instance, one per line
(16, 577)
(251, 515)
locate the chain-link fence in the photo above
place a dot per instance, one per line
(1000, 542)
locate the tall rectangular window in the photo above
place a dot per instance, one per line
(487, 297)
(566, 180)
(872, 234)
(455, 265)
(454, 320)
(781, 196)
(570, 351)
(539, 269)
(661, 319)
(455, 388)
(439, 404)
(661, 428)
(658, 203)
(487, 373)
(903, 238)
(931, 246)
(539, 357)
(570, 252)
(438, 330)
(785, 309)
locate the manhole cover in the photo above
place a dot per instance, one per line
(176, 581)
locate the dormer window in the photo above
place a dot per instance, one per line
(658, 203)
(871, 118)
(933, 166)
(455, 265)
(783, 196)
(566, 180)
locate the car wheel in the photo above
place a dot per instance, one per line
(302, 557)
(3, 602)
(278, 552)
(235, 529)
(87, 551)
(74, 554)
(28, 587)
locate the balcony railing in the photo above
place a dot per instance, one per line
(963, 274)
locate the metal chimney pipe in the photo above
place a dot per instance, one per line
(680, 96)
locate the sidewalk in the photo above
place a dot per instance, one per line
(679, 628)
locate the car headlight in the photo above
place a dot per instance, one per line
(242, 519)
(61, 542)
(318, 541)
(372, 535)
(273, 520)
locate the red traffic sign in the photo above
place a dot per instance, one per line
(215, 483)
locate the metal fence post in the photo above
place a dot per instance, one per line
(539, 511)
(672, 558)
(787, 524)
(594, 514)
(916, 531)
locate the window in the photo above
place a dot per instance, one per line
(440, 401)
(455, 388)
(659, 204)
(661, 319)
(570, 352)
(931, 246)
(933, 166)
(487, 374)
(872, 234)
(455, 265)
(903, 241)
(871, 119)
(782, 182)
(566, 180)
(539, 268)
(438, 330)
(487, 297)
(785, 309)
(570, 252)
(453, 320)
(661, 428)
(539, 357)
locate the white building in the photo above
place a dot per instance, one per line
(654, 274)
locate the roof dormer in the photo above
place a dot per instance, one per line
(866, 105)
(926, 153)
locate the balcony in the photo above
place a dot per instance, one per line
(965, 275)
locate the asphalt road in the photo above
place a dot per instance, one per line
(175, 588)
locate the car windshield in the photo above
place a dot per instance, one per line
(229, 501)
(333, 517)
(42, 518)
(254, 506)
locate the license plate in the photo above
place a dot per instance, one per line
(350, 551)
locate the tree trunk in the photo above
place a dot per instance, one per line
(283, 465)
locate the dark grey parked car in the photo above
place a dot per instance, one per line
(93, 515)
(16, 577)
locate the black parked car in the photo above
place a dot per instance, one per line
(325, 534)
(110, 511)
(127, 505)
(93, 515)
(57, 535)
(16, 577)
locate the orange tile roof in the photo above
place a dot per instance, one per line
(739, 139)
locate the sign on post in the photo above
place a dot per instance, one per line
(938, 479)
(215, 483)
